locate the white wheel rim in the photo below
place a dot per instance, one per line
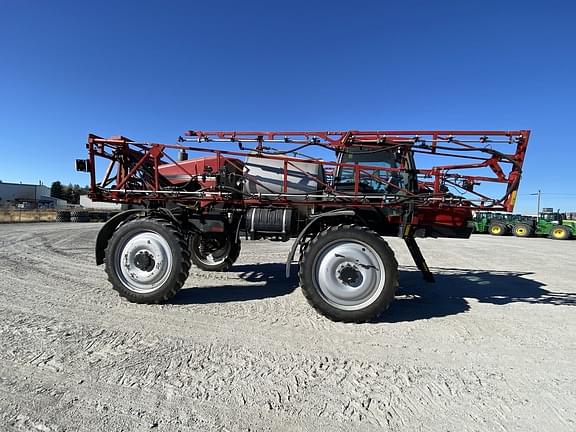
(145, 262)
(349, 274)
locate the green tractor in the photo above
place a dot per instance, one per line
(549, 223)
(481, 221)
(497, 224)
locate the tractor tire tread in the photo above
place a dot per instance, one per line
(356, 316)
(178, 281)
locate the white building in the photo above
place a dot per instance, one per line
(89, 204)
(12, 194)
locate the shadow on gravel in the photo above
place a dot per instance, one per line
(418, 300)
(267, 281)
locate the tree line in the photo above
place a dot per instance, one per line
(70, 193)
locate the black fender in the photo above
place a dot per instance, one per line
(316, 218)
(108, 230)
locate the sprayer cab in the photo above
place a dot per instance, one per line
(391, 172)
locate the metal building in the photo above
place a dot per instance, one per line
(14, 194)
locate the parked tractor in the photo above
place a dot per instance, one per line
(335, 194)
(552, 224)
(549, 223)
(497, 224)
(500, 224)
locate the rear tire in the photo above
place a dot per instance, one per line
(147, 260)
(214, 251)
(497, 229)
(560, 232)
(349, 273)
(522, 230)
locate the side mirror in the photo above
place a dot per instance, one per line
(83, 165)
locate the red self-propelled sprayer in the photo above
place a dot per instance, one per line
(335, 193)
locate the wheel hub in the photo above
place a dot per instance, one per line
(144, 260)
(349, 275)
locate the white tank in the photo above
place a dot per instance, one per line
(267, 176)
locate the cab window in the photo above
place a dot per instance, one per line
(371, 180)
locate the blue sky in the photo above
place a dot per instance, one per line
(153, 69)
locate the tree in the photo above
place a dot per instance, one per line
(56, 190)
(68, 193)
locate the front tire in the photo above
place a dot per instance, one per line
(147, 260)
(497, 229)
(349, 273)
(560, 232)
(522, 230)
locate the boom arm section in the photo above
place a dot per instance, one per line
(449, 168)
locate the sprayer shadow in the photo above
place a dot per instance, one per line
(415, 299)
(266, 281)
(450, 295)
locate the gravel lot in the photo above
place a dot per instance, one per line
(491, 346)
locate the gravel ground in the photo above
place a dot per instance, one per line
(489, 347)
